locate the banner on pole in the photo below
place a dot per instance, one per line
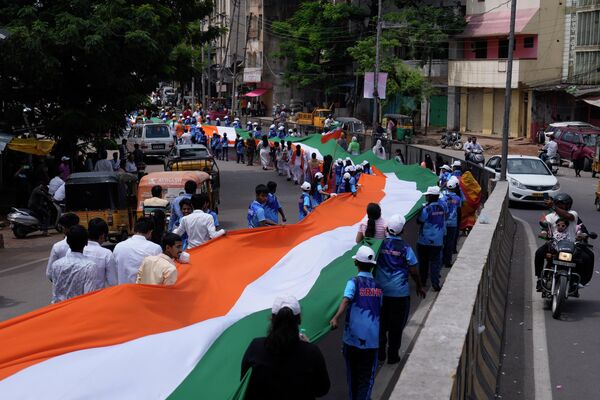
(369, 85)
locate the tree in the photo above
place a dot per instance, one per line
(82, 64)
(314, 43)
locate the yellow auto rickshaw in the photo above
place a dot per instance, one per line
(172, 183)
(106, 195)
(405, 127)
(596, 161)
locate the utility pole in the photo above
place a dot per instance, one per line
(236, 3)
(376, 75)
(203, 67)
(508, 91)
(193, 82)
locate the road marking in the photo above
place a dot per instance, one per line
(23, 265)
(541, 364)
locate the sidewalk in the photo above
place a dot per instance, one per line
(491, 145)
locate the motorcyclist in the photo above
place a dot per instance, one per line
(550, 148)
(467, 148)
(40, 203)
(561, 209)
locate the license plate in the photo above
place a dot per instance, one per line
(564, 263)
(158, 146)
(537, 194)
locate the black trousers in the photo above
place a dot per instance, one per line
(360, 371)
(540, 258)
(394, 315)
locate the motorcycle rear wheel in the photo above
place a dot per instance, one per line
(443, 144)
(20, 232)
(458, 145)
(559, 298)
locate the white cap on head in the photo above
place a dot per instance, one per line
(281, 128)
(365, 162)
(457, 164)
(365, 254)
(286, 301)
(227, 117)
(359, 167)
(446, 167)
(218, 119)
(236, 119)
(433, 190)
(354, 139)
(255, 123)
(339, 160)
(272, 126)
(65, 158)
(347, 175)
(305, 186)
(395, 224)
(348, 159)
(349, 168)
(290, 130)
(452, 183)
(319, 175)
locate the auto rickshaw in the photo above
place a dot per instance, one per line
(405, 127)
(106, 195)
(173, 182)
(596, 161)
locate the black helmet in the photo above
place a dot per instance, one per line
(565, 199)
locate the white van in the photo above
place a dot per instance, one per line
(154, 139)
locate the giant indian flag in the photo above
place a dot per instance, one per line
(187, 341)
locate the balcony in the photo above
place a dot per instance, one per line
(482, 73)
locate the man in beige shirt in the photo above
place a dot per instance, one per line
(156, 201)
(161, 269)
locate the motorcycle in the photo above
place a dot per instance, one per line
(476, 157)
(565, 271)
(552, 162)
(451, 139)
(24, 221)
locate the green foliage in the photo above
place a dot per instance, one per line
(314, 41)
(81, 64)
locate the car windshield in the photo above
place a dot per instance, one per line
(522, 166)
(194, 152)
(590, 140)
(157, 132)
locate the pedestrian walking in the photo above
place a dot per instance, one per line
(272, 207)
(130, 253)
(161, 269)
(225, 144)
(264, 152)
(305, 204)
(297, 164)
(354, 147)
(199, 226)
(61, 248)
(578, 157)
(432, 227)
(239, 149)
(362, 305)
(256, 211)
(74, 274)
(395, 262)
(373, 225)
(453, 200)
(250, 150)
(106, 270)
(285, 365)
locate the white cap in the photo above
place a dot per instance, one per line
(395, 224)
(255, 123)
(452, 182)
(281, 128)
(272, 126)
(433, 190)
(305, 186)
(446, 167)
(286, 301)
(236, 119)
(359, 167)
(365, 254)
(290, 130)
(347, 175)
(65, 158)
(227, 117)
(365, 162)
(218, 119)
(319, 175)
(456, 164)
(349, 168)
(354, 139)
(339, 160)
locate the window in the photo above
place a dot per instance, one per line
(157, 131)
(527, 166)
(528, 42)
(588, 28)
(568, 137)
(503, 48)
(494, 163)
(480, 48)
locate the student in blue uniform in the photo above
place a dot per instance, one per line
(273, 208)
(362, 305)
(305, 204)
(338, 170)
(395, 262)
(453, 202)
(318, 189)
(256, 210)
(432, 228)
(445, 174)
(358, 171)
(249, 126)
(239, 149)
(367, 168)
(227, 123)
(347, 185)
(236, 123)
(457, 169)
(272, 132)
(225, 145)
(218, 121)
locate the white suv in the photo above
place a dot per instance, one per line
(153, 139)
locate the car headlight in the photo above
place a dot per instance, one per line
(517, 184)
(556, 187)
(565, 256)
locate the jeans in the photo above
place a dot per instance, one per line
(225, 155)
(360, 371)
(430, 260)
(394, 315)
(450, 244)
(240, 158)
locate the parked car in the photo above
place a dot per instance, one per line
(154, 139)
(529, 178)
(569, 134)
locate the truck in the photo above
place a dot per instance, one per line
(315, 119)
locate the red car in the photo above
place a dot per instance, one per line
(569, 135)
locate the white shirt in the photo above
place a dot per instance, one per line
(59, 250)
(200, 228)
(60, 193)
(129, 256)
(106, 268)
(571, 229)
(476, 146)
(54, 184)
(73, 275)
(104, 165)
(551, 149)
(467, 147)
(130, 167)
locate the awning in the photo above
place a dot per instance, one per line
(5, 138)
(255, 93)
(496, 23)
(31, 146)
(594, 102)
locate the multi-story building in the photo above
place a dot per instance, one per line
(478, 58)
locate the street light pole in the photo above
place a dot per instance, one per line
(508, 91)
(376, 75)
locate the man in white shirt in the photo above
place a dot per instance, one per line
(60, 249)
(551, 148)
(74, 274)
(106, 270)
(60, 195)
(199, 226)
(54, 184)
(130, 254)
(103, 163)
